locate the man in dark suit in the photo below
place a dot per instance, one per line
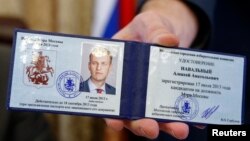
(214, 25)
(100, 64)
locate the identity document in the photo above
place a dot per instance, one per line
(71, 74)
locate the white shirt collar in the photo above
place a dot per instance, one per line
(92, 87)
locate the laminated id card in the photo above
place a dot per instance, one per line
(71, 74)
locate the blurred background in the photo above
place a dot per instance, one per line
(100, 18)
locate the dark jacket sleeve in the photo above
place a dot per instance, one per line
(204, 11)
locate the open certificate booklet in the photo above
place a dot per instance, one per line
(71, 74)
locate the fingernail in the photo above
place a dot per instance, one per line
(200, 126)
(173, 134)
(147, 135)
(142, 132)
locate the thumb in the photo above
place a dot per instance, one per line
(150, 28)
(159, 36)
(165, 39)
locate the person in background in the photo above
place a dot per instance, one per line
(209, 25)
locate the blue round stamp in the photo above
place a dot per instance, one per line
(186, 107)
(67, 84)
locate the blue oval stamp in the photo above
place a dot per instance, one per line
(186, 107)
(67, 84)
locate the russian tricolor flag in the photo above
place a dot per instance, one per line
(111, 15)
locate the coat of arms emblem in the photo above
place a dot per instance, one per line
(40, 69)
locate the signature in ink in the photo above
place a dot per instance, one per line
(209, 111)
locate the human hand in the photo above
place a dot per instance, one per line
(166, 22)
(155, 25)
